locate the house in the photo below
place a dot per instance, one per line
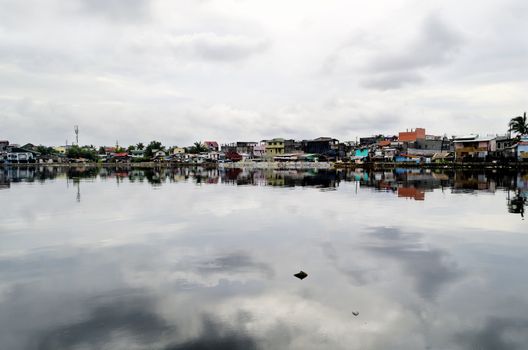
(407, 158)
(158, 154)
(233, 156)
(320, 145)
(292, 146)
(120, 157)
(411, 136)
(3, 145)
(211, 146)
(367, 141)
(29, 147)
(522, 149)
(259, 151)
(474, 146)
(245, 147)
(213, 156)
(443, 157)
(62, 149)
(137, 153)
(274, 147)
(359, 155)
(504, 142)
(178, 150)
(20, 155)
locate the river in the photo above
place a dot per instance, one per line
(205, 259)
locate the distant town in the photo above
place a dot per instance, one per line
(414, 146)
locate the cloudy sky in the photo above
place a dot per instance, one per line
(187, 70)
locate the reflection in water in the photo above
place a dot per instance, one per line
(204, 259)
(405, 183)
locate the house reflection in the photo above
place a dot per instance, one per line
(404, 183)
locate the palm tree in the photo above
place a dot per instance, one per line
(140, 146)
(519, 125)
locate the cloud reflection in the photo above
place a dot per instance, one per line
(431, 268)
(497, 333)
(124, 319)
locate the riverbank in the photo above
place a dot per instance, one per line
(282, 165)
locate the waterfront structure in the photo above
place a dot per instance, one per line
(61, 149)
(211, 145)
(367, 141)
(320, 145)
(178, 150)
(274, 147)
(20, 155)
(137, 153)
(3, 145)
(244, 147)
(411, 136)
(259, 151)
(474, 146)
(522, 149)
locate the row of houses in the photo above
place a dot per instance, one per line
(413, 145)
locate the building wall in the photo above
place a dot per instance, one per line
(410, 136)
(522, 151)
(275, 147)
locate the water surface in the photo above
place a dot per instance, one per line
(204, 259)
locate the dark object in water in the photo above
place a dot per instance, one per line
(301, 275)
(355, 313)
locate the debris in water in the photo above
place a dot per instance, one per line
(301, 275)
(355, 313)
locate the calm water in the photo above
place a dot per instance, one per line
(204, 259)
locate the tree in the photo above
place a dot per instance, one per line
(45, 151)
(131, 148)
(75, 152)
(153, 146)
(102, 150)
(140, 146)
(198, 147)
(519, 125)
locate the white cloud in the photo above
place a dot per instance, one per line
(228, 69)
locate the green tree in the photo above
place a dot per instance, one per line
(131, 148)
(140, 146)
(151, 147)
(45, 151)
(101, 150)
(519, 125)
(76, 152)
(198, 147)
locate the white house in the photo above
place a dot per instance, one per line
(20, 155)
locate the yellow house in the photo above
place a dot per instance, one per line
(60, 149)
(178, 150)
(274, 147)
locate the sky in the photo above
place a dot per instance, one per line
(247, 70)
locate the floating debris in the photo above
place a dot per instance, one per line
(355, 313)
(301, 275)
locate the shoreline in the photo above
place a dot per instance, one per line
(279, 165)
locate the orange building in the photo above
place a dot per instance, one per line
(411, 136)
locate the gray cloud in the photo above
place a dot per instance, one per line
(116, 9)
(391, 80)
(214, 47)
(435, 45)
